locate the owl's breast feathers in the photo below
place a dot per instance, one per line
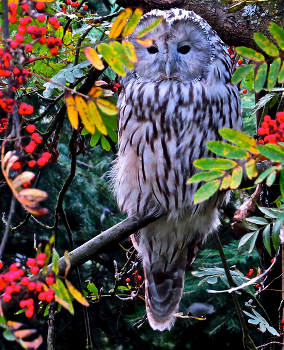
(163, 128)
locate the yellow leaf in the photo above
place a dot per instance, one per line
(82, 108)
(226, 182)
(13, 2)
(110, 58)
(129, 50)
(251, 169)
(32, 196)
(71, 109)
(145, 43)
(14, 325)
(34, 344)
(106, 106)
(132, 23)
(76, 294)
(96, 91)
(67, 262)
(119, 23)
(63, 303)
(94, 58)
(21, 179)
(93, 111)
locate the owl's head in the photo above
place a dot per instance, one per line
(185, 48)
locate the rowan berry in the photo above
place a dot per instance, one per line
(73, 4)
(68, 2)
(42, 161)
(41, 18)
(26, 109)
(49, 281)
(31, 286)
(40, 263)
(1, 264)
(127, 280)
(272, 260)
(245, 91)
(42, 40)
(41, 296)
(25, 7)
(17, 288)
(12, 19)
(21, 30)
(28, 48)
(31, 128)
(39, 287)
(7, 297)
(42, 31)
(139, 278)
(47, 156)
(240, 62)
(53, 51)
(9, 290)
(14, 267)
(16, 166)
(22, 304)
(50, 291)
(85, 7)
(14, 44)
(52, 20)
(57, 42)
(39, 6)
(114, 89)
(49, 297)
(27, 184)
(41, 256)
(117, 85)
(56, 25)
(34, 270)
(32, 163)
(31, 262)
(29, 313)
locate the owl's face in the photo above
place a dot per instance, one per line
(181, 50)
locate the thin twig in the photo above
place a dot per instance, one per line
(7, 228)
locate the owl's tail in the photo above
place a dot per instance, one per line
(166, 253)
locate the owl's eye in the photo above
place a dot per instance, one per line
(184, 49)
(152, 49)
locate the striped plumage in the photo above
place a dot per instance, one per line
(170, 106)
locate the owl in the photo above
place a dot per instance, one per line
(174, 101)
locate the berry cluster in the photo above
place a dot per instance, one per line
(272, 130)
(75, 4)
(249, 274)
(137, 279)
(15, 283)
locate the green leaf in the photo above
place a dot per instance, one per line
(55, 261)
(281, 74)
(105, 143)
(281, 182)
(239, 6)
(245, 238)
(92, 289)
(149, 28)
(252, 243)
(225, 150)
(272, 213)
(264, 175)
(110, 57)
(273, 73)
(257, 220)
(251, 169)
(206, 191)
(214, 163)
(260, 78)
(271, 178)
(276, 234)
(237, 176)
(241, 73)
(95, 138)
(273, 152)
(65, 296)
(278, 34)
(266, 239)
(132, 23)
(249, 81)
(265, 44)
(240, 139)
(2, 322)
(8, 335)
(206, 176)
(250, 54)
(85, 132)
(124, 288)
(120, 54)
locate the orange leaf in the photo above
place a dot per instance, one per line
(84, 114)
(33, 344)
(21, 179)
(106, 106)
(13, 2)
(119, 23)
(14, 325)
(93, 111)
(96, 91)
(71, 109)
(94, 58)
(67, 262)
(24, 333)
(32, 196)
(129, 50)
(145, 43)
(76, 294)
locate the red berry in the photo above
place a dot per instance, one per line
(272, 261)
(34, 270)
(31, 286)
(68, 2)
(49, 281)
(41, 296)
(251, 271)
(42, 40)
(22, 304)
(47, 156)
(127, 280)
(31, 128)
(7, 297)
(24, 281)
(240, 62)
(39, 287)
(139, 278)
(40, 263)
(41, 256)
(35, 136)
(25, 7)
(245, 91)
(27, 184)
(57, 42)
(29, 313)
(73, 4)
(16, 166)
(49, 297)
(9, 290)
(50, 291)
(41, 18)
(14, 44)
(12, 19)
(21, 30)
(117, 85)
(54, 51)
(42, 161)
(85, 7)
(31, 262)
(282, 321)
(28, 48)
(39, 5)
(1, 264)
(52, 20)
(32, 163)
(17, 288)
(29, 149)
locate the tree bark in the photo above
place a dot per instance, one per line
(234, 28)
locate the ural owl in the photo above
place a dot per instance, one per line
(174, 101)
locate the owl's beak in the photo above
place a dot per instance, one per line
(168, 70)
